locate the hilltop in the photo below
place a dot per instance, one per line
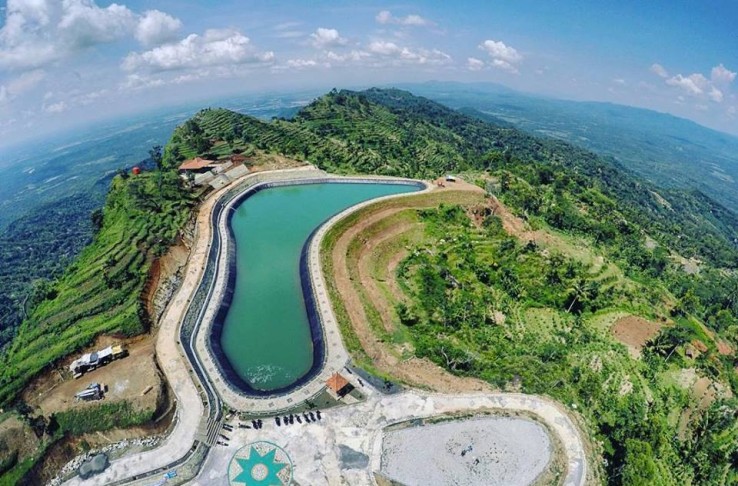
(569, 240)
(666, 150)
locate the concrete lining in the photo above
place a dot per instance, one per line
(330, 355)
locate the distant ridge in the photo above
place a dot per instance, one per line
(665, 149)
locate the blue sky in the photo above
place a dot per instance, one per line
(69, 61)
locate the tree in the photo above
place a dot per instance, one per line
(97, 219)
(640, 469)
(155, 154)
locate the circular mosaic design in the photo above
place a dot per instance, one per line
(260, 464)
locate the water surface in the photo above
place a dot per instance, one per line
(266, 334)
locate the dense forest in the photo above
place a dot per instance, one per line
(644, 231)
(38, 247)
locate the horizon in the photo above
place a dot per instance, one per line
(62, 66)
(67, 134)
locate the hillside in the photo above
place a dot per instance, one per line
(573, 240)
(604, 251)
(392, 132)
(666, 150)
(101, 291)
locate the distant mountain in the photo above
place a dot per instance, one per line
(664, 149)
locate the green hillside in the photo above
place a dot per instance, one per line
(667, 150)
(640, 234)
(100, 292)
(554, 342)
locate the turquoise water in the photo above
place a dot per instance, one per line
(266, 334)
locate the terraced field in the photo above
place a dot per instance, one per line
(101, 292)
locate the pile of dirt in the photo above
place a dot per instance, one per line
(634, 332)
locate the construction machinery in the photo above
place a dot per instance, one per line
(90, 361)
(94, 391)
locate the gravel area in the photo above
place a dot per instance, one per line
(492, 451)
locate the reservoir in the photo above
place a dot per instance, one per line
(266, 332)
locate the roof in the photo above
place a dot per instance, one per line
(196, 163)
(337, 382)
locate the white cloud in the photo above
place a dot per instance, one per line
(502, 56)
(221, 47)
(385, 17)
(721, 75)
(659, 70)
(693, 84)
(288, 30)
(498, 50)
(39, 32)
(715, 95)
(504, 65)
(21, 84)
(25, 81)
(400, 55)
(698, 86)
(58, 107)
(356, 55)
(384, 48)
(84, 24)
(474, 64)
(301, 63)
(155, 28)
(138, 81)
(325, 38)
(619, 81)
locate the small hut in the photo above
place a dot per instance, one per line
(339, 385)
(198, 165)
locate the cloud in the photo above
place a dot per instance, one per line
(715, 95)
(384, 48)
(378, 54)
(398, 55)
(58, 107)
(502, 56)
(84, 24)
(700, 87)
(138, 81)
(385, 17)
(288, 30)
(301, 63)
(474, 64)
(40, 32)
(694, 84)
(721, 75)
(324, 38)
(156, 28)
(356, 55)
(216, 47)
(21, 84)
(498, 50)
(659, 70)
(619, 81)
